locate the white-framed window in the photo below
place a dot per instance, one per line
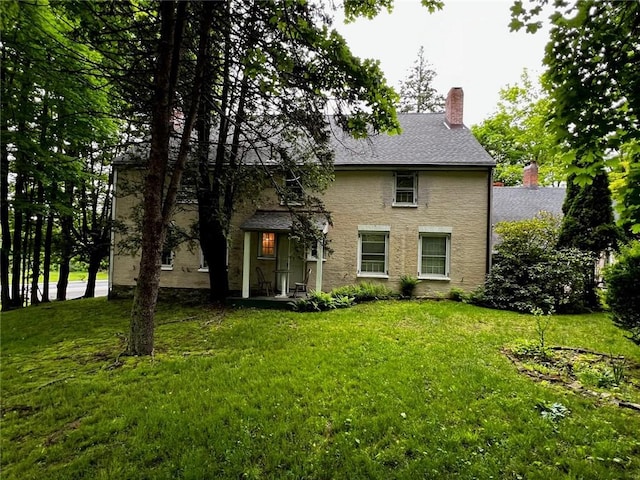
(434, 253)
(373, 251)
(405, 192)
(293, 192)
(166, 260)
(204, 266)
(267, 245)
(187, 194)
(312, 253)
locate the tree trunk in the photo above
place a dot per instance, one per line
(94, 267)
(146, 293)
(218, 274)
(46, 269)
(37, 247)
(16, 271)
(5, 250)
(157, 213)
(66, 249)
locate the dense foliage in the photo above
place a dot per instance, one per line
(517, 134)
(530, 274)
(364, 291)
(59, 133)
(317, 301)
(623, 289)
(588, 222)
(342, 297)
(593, 77)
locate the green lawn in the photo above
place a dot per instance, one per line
(76, 276)
(382, 390)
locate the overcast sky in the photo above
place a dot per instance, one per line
(468, 44)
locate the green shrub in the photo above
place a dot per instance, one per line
(529, 273)
(458, 295)
(622, 280)
(408, 285)
(318, 301)
(364, 292)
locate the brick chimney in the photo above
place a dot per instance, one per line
(454, 107)
(530, 175)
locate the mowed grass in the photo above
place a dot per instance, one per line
(382, 390)
(75, 276)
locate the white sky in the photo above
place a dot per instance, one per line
(467, 43)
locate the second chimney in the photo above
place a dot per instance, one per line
(530, 176)
(454, 107)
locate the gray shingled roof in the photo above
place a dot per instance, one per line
(520, 203)
(425, 141)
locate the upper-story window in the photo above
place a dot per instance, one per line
(188, 193)
(292, 193)
(406, 189)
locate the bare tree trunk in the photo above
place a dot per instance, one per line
(158, 213)
(37, 247)
(94, 267)
(153, 232)
(5, 298)
(27, 249)
(16, 270)
(46, 270)
(66, 249)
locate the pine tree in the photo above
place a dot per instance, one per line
(588, 223)
(417, 93)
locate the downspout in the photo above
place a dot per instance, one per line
(489, 219)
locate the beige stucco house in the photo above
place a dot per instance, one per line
(414, 204)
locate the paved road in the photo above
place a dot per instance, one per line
(76, 289)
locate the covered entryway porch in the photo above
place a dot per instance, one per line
(274, 262)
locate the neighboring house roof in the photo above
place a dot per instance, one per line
(426, 140)
(521, 203)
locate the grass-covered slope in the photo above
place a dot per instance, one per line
(382, 390)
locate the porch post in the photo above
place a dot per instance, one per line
(319, 265)
(246, 264)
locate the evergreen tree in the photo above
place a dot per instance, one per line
(589, 224)
(417, 93)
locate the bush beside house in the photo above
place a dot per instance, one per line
(530, 274)
(622, 280)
